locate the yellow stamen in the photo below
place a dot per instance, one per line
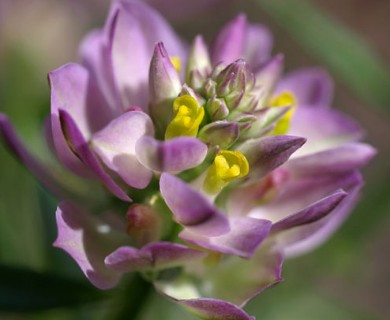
(187, 117)
(176, 62)
(227, 166)
(283, 100)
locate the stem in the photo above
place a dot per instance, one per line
(132, 299)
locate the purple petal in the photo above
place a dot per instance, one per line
(115, 145)
(267, 76)
(95, 54)
(128, 259)
(297, 193)
(86, 155)
(191, 209)
(324, 129)
(266, 154)
(213, 309)
(229, 42)
(310, 214)
(69, 86)
(155, 256)
(38, 169)
(347, 157)
(242, 240)
(310, 87)
(87, 241)
(138, 28)
(164, 87)
(174, 155)
(300, 240)
(257, 46)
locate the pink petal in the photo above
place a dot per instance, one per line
(115, 145)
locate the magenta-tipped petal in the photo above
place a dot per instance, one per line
(116, 146)
(268, 153)
(155, 256)
(309, 86)
(83, 151)
(87, 241)
(242, 240)
(174, 155)
(303, 239)
(191, 209)
(138, 28)
(311, 214)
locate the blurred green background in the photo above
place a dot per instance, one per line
(347, 278)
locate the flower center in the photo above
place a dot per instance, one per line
(283, 100)
(227, 166)
(187, 116)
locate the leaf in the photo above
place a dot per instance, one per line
(23, 290)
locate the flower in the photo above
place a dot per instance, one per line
(230, 165)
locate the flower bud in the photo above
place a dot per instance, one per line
(198, 64)
(220, 133)
(144, 224)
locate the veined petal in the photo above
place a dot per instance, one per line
(266, 154)
(310, 87)
(191, 209)
(155, 256)
(116, 146)
(244, 237)
(82, 150)
(87, 241)
(137, 30)
(174, 155)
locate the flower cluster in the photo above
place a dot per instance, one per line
(225, 166)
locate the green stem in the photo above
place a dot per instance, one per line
(132, 299)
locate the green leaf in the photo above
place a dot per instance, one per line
(347, 55)
(23, 290)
